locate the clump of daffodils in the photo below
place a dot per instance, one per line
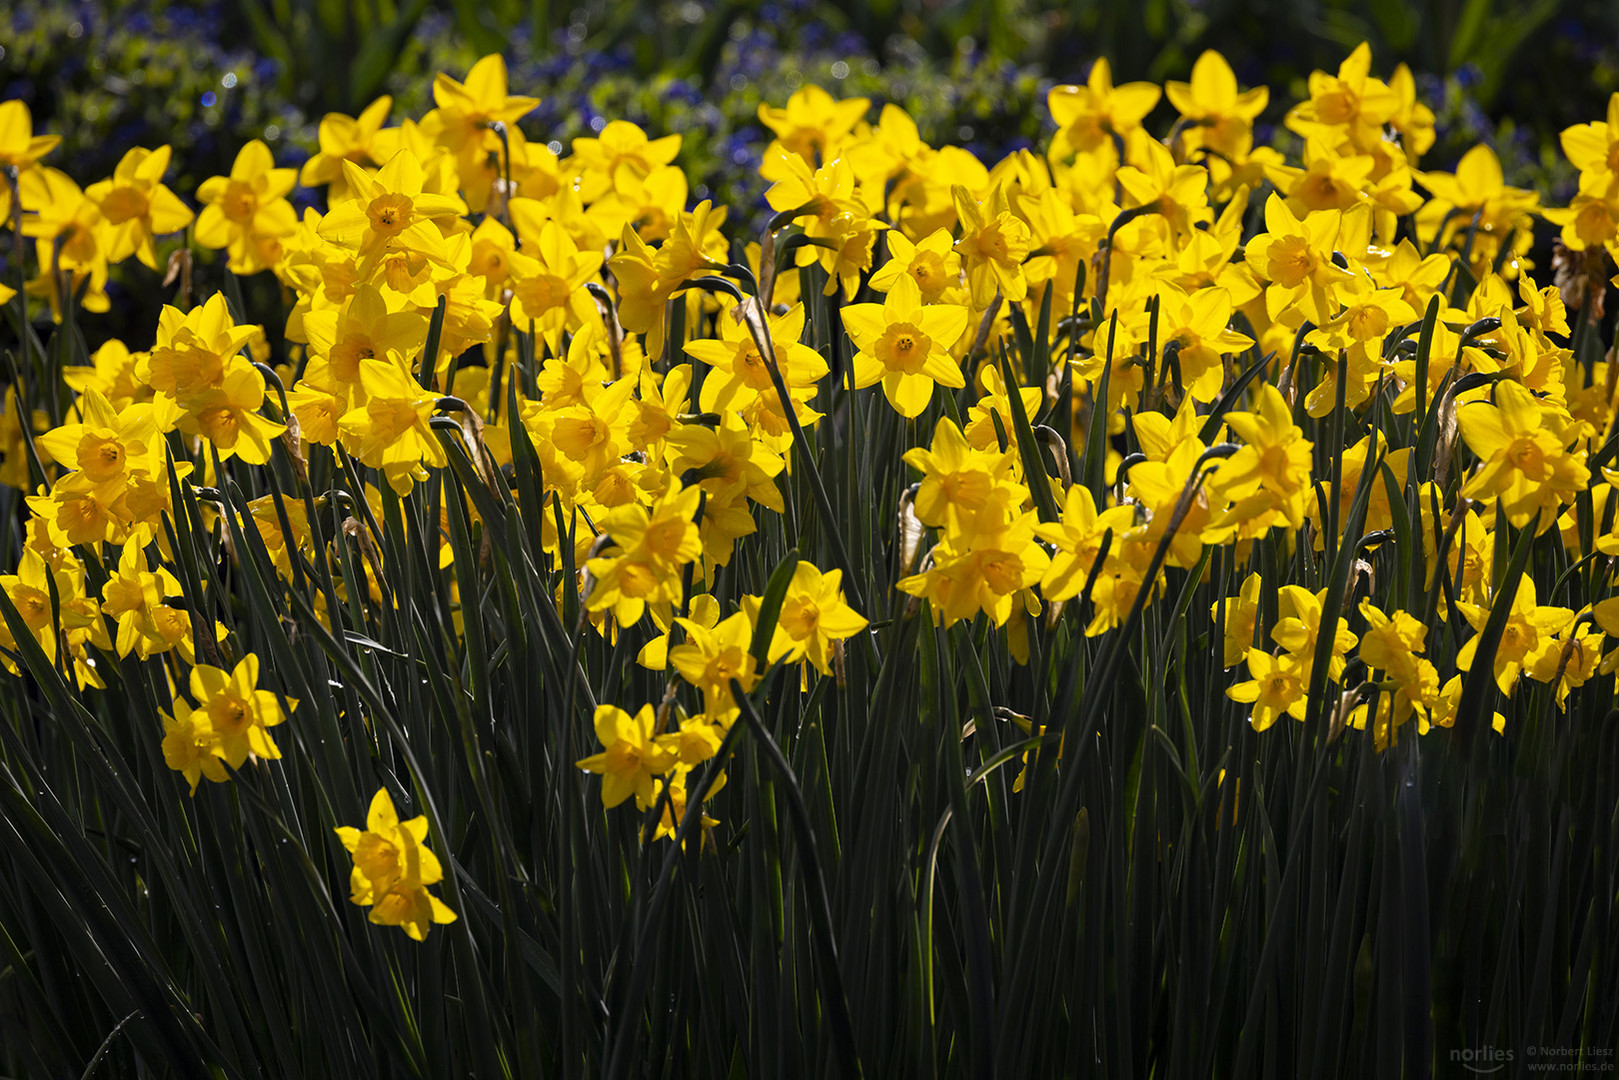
(1202, 299)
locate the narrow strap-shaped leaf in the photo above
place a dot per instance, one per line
(770, 607)
(1477, 696)
(826, 945)
(1034, 468)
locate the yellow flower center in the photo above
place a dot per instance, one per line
(240, 202)
(1528, 457)
(34, 606)
(389, 213)
(220, 424)
(403, 270)
(490, 261)
(101, 456)
(84, 519)
(390, 418)
(1291, 261)
(1003, 571)
(1594, 225)
(636, 579)
(663, 538)
(186, 363)
(123, 594)
(346, 355)
(229, 715)
(615, 488)
(801, 617)
(623, 757)
(173, 624)
(124, 203)
(967, 490)
(1340, 106)
(542, 293)
(904, 347)
(725, 667)
(577, 436)
(1368, 323)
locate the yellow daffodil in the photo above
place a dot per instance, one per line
(68, 232)
(1528, 632)
(711, 658)
(1241, 613)
(993, 245)
(20, 148)
(1300, 625)
(731, 467)
(1214, 115)
(389, 431)
(623, 153)
(1090, 115)
(649, 553)
(390, 212)
(1393, 644)
(985, 573)
(345, 138)
(1525, 451)
(393, 868)
(247, 211)
(1077, 537)
(227, 416)
(547, 286)
(463, 124)
(1295, 256)
(194, 349)
(135, 596)
(237, 712)
(905, 345)
(1198, 327)
(959, 481)
(1268, 479)
(811, 122)
(369, 325)
(632, 757)
(1277, 686)
(932, 262)
(1350, 105)
(740, 376)
(136, 206)
(814, 616)
(107, 444)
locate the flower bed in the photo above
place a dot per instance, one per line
(1138, 600)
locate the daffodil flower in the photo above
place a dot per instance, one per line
(247, 212)
(238, 712)
(1278, 686)
(814, 615)
(630, 758)
(393, 868)
(1524, 450)
(390, 212)
(345, 138)
(1088, 116)
(137, 207)
(993, 244)
(905, 346)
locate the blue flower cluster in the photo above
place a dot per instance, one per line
(106, 81)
